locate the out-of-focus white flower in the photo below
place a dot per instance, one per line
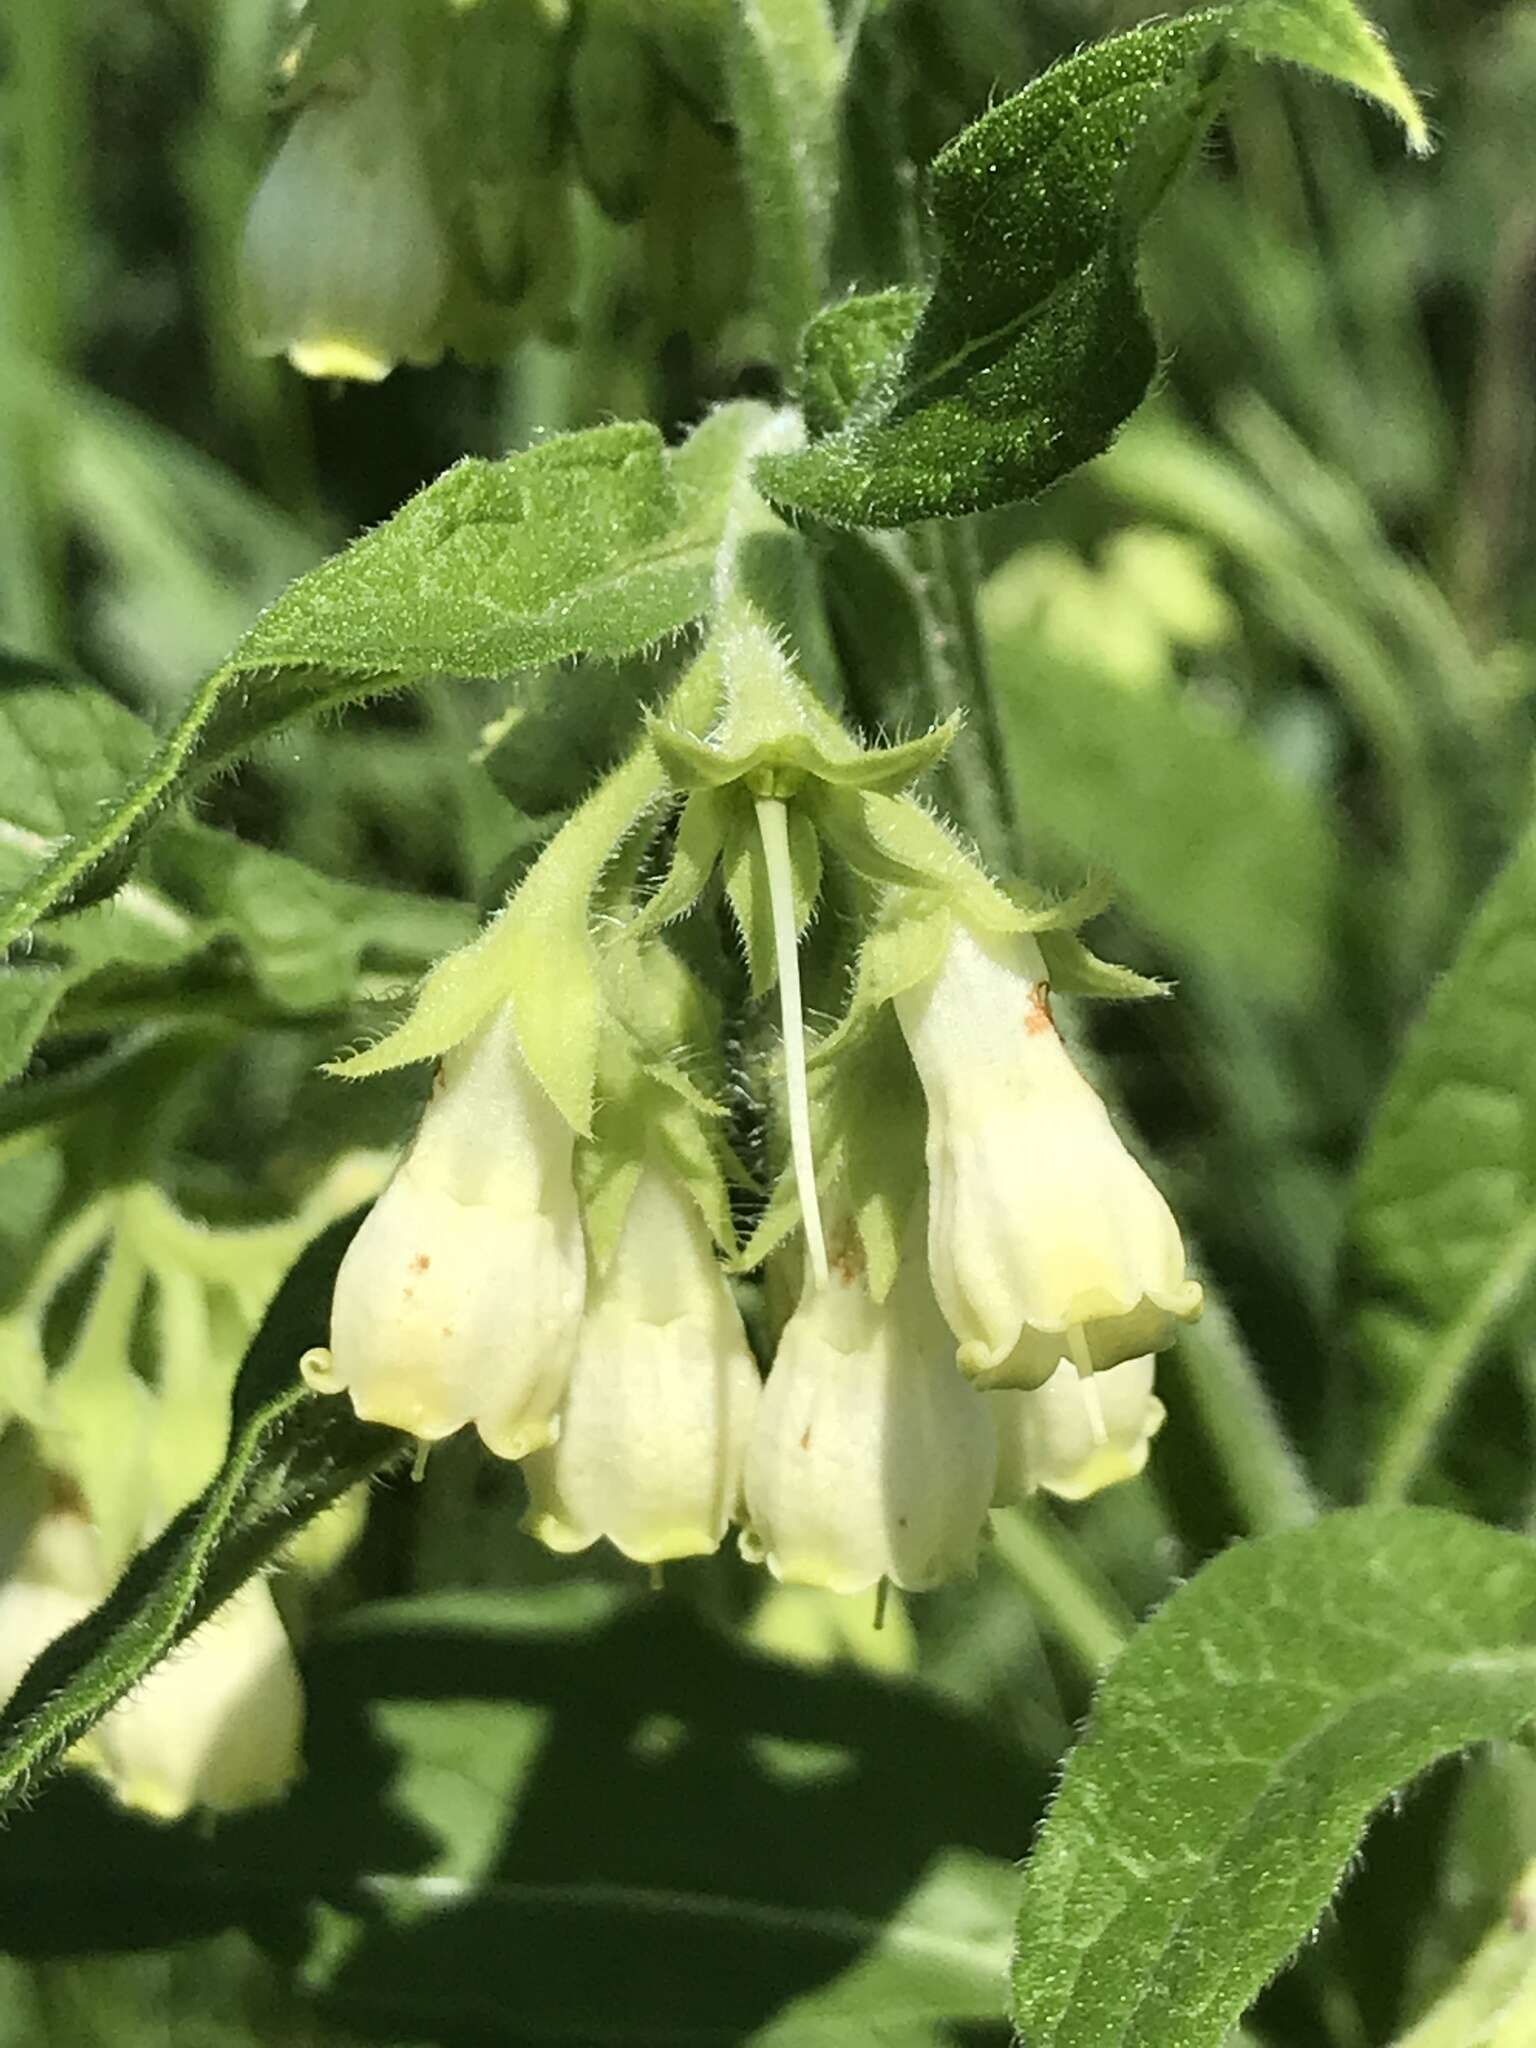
(55, 1581)
(1045, 1238)
(1075, 1436)
(460, 1297)
(662, 1394)
(218, 1724)
(872, 1458)
(345, 263)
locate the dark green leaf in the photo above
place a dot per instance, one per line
(1033, 347)
(1235, 1753)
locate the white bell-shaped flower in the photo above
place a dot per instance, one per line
(218, 1724)
(662, 1394)
(872, 1457)
(1045, 1238)
(461, 1295)
(345, 263)
(1075, 1436)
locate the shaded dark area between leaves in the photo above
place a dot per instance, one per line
(647, 1810)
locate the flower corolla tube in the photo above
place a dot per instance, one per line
(662, 1394)
(1046, 1239)
(461, 1295)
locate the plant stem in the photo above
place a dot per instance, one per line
(39, 273)
(954, 660)
(773, 826)
(1043, 1559)
(1265, 1476)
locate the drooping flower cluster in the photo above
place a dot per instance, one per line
(980, 1320)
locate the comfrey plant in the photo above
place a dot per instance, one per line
(549, 1261)
(770, 1198)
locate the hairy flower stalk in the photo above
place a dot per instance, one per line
(1051, 1438)
(460, 1297)
(662, 1395)
(1045, 1237)
(872, 1459)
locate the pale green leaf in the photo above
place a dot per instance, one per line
(1442, 1237)
(538, 953)
(65, 749)
(1237, 1749)
(599, 543)
(1235, 868)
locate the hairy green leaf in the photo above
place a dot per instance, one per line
(1033, 346)
(1235, 1753)
(291, 1454)
(594, 543)
(1442, 1241)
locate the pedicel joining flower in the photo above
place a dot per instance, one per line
(872, 1458)
(1045, 1238)
(460, 1297)
(1075, 1436)
(662, 1394)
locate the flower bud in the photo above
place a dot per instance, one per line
(345, 264)
(1045, 1238)
(1075, 1436)
(218, 1724)
(871, 1458)
(460, 1297)
(663, 1391)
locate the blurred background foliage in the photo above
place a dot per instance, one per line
(1269, 664)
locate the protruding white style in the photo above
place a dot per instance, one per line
(345, 263)
(1045, 1238)
(218, 1724)
(662, 1395)
(1074, 1437)
(461, 1295)
(872, 1458)
(773, 829)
